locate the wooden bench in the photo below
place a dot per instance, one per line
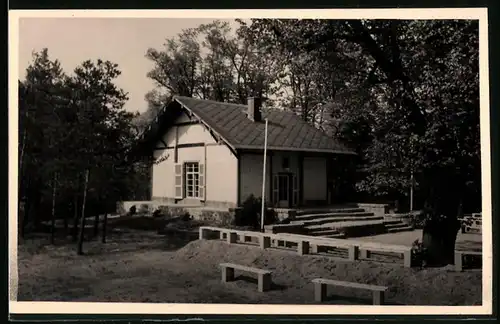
(264, 276)
(459, 258)
(320, 289)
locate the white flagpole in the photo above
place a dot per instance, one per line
(263, 181)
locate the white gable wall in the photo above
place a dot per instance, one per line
(220, 164)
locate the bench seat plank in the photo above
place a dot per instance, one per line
(349, 284)
(244, 268)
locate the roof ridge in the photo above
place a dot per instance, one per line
(212, 101)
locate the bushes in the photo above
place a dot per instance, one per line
(250, 213)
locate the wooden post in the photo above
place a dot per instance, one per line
(232, 237)
(319, 292)
(265, 242)
(364, 254)
(458, 261)
(303, 247)
(407, 259)
(378, 297)
(353, 252)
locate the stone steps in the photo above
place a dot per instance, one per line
(352, 219)
(323, 232)
(331, 214)
(314, 211)
(342, 224)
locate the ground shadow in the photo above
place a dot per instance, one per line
(274, 286)
(342, 299)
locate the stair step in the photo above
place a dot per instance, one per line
(340, 219)
(395, 221)
(334, 225)
(400, 229)
(330, 214)
(328, 210)
(396, 225)
(339, 235)
(323, 232)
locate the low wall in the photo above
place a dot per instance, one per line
(377, 209)
(405, 218)
(304, 244)
(202, 213)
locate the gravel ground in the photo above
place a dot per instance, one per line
(142, 266)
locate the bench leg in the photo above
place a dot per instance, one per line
(221, 235)
(303, 247)
(227, 274)
(314, 248)
(353, 253)
(231, 238)
(319, 292)
(378, 298)
(458, 261)
(407, 259)
(265, 242)
(364, 254)
(264, 282)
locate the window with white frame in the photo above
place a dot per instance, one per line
(192, 180)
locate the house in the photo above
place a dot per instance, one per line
(211, 154)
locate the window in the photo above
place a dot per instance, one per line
(286, 163)
(192, 176)
(189, 180)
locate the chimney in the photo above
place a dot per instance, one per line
(253, 112)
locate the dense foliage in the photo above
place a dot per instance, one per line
(403, 94)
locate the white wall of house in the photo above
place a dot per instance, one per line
(314, 178)
(220, 164)
(221, 174)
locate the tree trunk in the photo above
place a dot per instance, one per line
(104, 227)
(53, 219)
(75, 219)
(82, 223)
(66, 224)
(96, 224)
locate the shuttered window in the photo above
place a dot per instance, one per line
(178, 181)
(190, 180)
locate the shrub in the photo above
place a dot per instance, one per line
(419, 254)
(144, 209)
(250, 212)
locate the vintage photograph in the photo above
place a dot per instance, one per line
(265, 161)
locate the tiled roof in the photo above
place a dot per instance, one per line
(286, 130)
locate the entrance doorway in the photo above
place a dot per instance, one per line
(285, 191)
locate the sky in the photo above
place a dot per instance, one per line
(121, 40)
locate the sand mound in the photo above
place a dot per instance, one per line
(406, 286)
